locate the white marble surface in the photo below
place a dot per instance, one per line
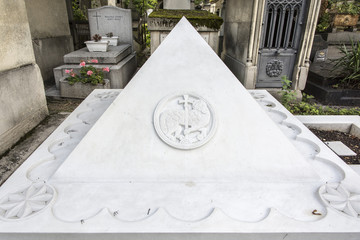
(262, 175)
(242, 127)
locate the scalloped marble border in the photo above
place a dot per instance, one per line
(336, 193)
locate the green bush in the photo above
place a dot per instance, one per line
(78, 14)
(349, 65)
(306, 107)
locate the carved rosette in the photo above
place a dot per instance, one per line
(184, 121)
(26, 202)
(336, 196)
(274, 68)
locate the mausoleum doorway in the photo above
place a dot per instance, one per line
(280, 38)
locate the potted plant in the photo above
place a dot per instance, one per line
(346, 13)
(81, 85)
(97, 45)
(113, 40)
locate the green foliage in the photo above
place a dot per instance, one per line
(349, 65)
(88, 74)
(78, 14)
(148, 39)
(324, 23)
(331, 7)
(110, 34)
(195, 17)
(348, 7)
(142, 5)
(306, 107)
(288, 97)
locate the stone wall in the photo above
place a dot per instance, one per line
(50, 33)
(161, 22)
(237, 32)
(15, 50)
(22, 96)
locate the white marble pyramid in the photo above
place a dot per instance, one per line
(184, 149)
(242, 142)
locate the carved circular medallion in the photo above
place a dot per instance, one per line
(274, 68)
(184, 121)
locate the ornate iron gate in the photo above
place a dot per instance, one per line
(281, 34)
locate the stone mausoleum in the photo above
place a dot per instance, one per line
(265, 40)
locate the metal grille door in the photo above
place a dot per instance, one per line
(280, 39)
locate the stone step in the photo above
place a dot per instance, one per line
(114, 55)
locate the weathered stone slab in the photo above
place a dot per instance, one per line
(114, 55)
(79, 90)
(108, 19)
(119, 75)
(343, 37)
(340, 148)
(22, 103)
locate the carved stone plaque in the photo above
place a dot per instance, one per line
(274, 68)
(184, 121)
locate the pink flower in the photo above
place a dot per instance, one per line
(94, 60)
(89, 72)
(82, 64)
(106, 69)
(73, 74)
(69, 71)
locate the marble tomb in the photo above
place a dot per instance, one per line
(181, 152)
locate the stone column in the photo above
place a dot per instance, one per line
(302, 66)
(241, 38)
(22, 95)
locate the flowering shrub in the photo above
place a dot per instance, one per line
(88, 74)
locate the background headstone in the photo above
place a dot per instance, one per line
(111, 19)
(177, 4)
(318, 44)
(320, 55)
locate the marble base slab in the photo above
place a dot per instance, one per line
(52, 220)
(114, 55)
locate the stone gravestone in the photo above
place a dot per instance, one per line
(120, 60)
(319, 44)
(108, 19)
(182, 152)
(177, 4)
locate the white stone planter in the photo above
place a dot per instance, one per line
(113, 41)
(100, 46)
(79, 90)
